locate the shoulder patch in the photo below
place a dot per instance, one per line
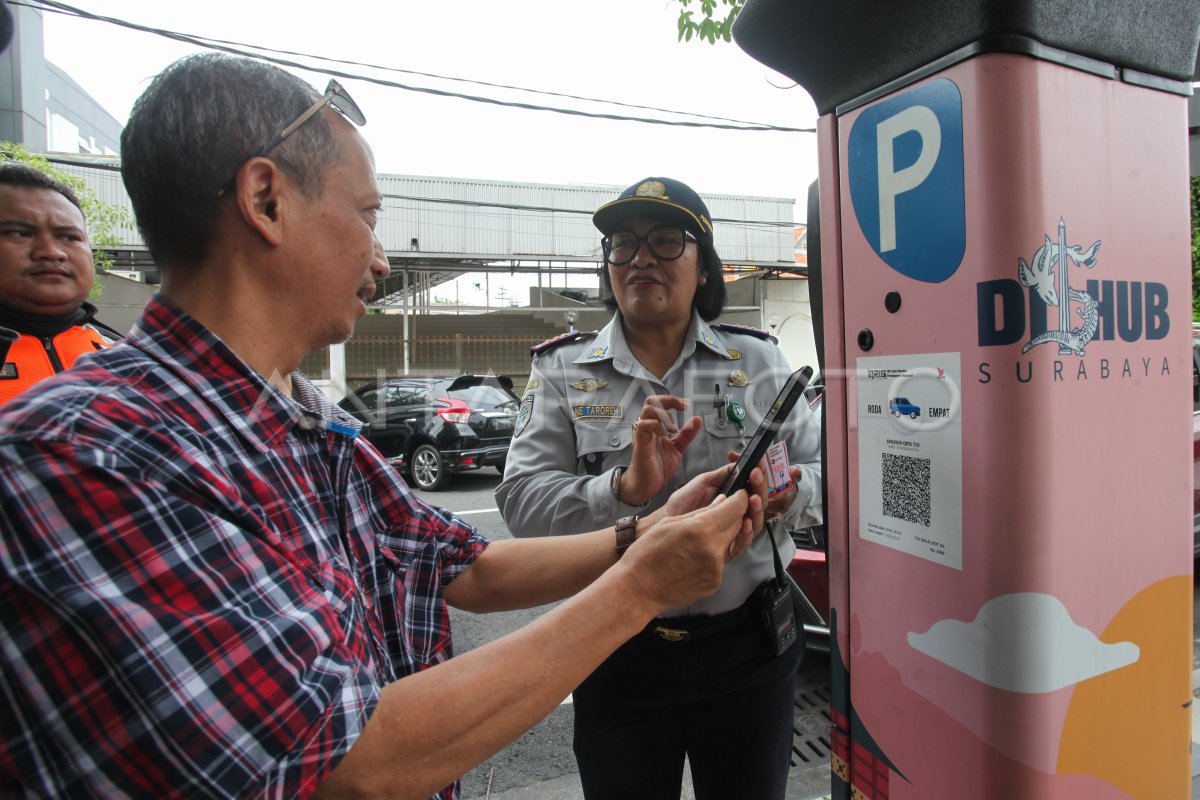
(561, 339)
(745, 329)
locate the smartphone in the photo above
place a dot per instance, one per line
(792, 391)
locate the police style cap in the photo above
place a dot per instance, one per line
(657, 198)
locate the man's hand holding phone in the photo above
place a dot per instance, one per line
(771, 424)
(700, 491)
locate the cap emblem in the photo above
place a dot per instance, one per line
(652, 189)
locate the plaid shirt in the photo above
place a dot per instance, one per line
(206, 583)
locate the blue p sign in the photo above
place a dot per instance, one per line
(906, 180)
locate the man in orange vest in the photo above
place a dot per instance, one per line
(45, 276)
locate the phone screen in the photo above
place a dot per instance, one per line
(767, 431)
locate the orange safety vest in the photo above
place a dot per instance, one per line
(33, 358)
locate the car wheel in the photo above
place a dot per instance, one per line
(427, 469)
(914, 414)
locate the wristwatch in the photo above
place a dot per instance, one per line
(626, 533)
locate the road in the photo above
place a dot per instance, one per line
(540, 764)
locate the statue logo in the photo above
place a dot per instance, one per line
(1054, 288)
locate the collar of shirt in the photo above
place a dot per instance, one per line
(706, 336)
(257, 410)
(610, 344)
(43, 325)
(604, 346)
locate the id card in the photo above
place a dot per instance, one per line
(778, 475)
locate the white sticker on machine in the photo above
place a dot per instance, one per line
(910, 454)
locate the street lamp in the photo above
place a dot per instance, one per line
(570, 316)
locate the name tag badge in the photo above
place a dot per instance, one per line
(598, 411)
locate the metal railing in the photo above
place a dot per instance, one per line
(372, 358)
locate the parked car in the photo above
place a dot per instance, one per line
(432, 428)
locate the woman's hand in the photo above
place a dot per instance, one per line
(658, 447)
(780, 502)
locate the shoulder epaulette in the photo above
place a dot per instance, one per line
(561, 339)
(746, 329)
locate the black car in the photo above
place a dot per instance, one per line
(432, 428)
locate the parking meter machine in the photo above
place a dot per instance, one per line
(1006, 296)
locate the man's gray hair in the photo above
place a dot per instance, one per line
(191, 131)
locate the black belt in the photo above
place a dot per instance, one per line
(701, 626)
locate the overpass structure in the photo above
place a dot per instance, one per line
(436, 228)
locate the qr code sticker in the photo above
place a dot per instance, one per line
(906, 488)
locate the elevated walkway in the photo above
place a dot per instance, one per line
(438, 224)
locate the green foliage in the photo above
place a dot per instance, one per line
(708, 28)
(1195, 248)
(103, 220)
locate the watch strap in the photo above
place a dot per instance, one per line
(626, 533)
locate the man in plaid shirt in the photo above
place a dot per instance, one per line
(212, 586)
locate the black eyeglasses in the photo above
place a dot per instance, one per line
(666, 242)
(335, 97)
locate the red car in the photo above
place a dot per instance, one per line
(808, 570)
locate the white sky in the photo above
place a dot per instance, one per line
(623, 50)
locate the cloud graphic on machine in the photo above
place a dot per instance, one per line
(1024, 642)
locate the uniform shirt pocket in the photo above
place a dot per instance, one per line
(596, 445)
(721, 435)
(720, 426)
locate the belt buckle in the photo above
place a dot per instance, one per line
(671, 634)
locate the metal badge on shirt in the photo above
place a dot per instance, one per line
(739, 378)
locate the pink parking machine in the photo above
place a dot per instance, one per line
(1004, 278)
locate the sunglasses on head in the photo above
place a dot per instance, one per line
(335, 96)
